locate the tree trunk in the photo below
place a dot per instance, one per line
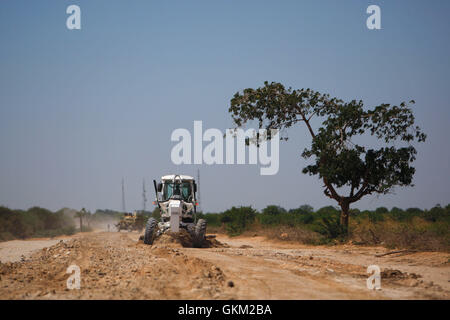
(345, 207)
(81, 224)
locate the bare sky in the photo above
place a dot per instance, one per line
(81, 109)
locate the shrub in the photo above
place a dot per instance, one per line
(436, 214)
(238, 219)
(375, 216)
(381, 210)
(398, 214)
(273, 210)
(213, 219)
(331, 228)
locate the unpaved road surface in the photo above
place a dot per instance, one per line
(18, 250)
(118, 266)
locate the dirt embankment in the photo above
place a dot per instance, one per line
(118, 266)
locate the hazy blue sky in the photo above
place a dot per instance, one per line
(81, 109)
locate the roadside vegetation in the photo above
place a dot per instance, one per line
(38, 222)
(34, 222)
(412, 228)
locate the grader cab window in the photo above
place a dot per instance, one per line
(177, 189)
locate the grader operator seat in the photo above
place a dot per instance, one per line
(176, 192)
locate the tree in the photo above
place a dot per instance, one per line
(81, 214)
(434, 214)
(398, 214)
(273, 210)
(338, 160)
(237, 219)
(381, 210)
(88, 217)
(306, 208)
(303, 209)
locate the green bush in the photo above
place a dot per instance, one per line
(375, 216)
(238, 219)
(330, 227)
(273, 210)
(213, 219)
(381, 210)
(399, 214)
(437, 214)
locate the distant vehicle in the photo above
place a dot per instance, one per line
(129, 222)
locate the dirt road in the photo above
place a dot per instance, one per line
(118, 266)
(18, 250)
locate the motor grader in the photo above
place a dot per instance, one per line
(129, 222)
(176, 199)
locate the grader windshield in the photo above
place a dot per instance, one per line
(182, 189)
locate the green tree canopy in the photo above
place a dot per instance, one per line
(273, 210)
(334, 126)
(303, 209)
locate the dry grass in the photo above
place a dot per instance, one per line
(285, 233)
(417, 234)
(292, 234)
(214, 229)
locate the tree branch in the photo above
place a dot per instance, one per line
(307, 124)
(313, 114)
(361, 192)
(329, 191)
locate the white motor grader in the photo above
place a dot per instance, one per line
(176, 199)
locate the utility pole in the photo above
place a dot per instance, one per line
(123, 196)
(144, 196)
